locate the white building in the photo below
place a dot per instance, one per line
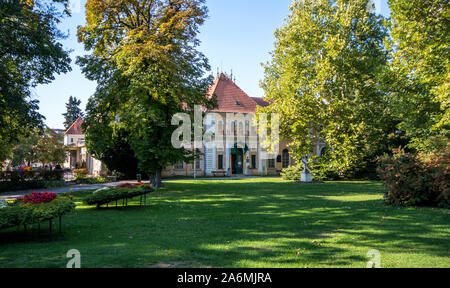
(78, 157)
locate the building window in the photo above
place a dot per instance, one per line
(179, 165)
(220, 162)
(285, 158)
(221, 130)
(196, 164)
(279, 159)
(272, 164)
(254, 164)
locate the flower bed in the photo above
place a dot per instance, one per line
(34, 208)
(109, 195)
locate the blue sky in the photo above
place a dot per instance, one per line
(238, 36)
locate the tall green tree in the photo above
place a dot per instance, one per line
(73, 111)
(108, 142)
(146, 62)
(41, 146)
(419, 77)
(50, 148)
(30, 54)
(324, 80)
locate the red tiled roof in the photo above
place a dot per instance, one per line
(261, 102)
(75, 128)
(231, 98)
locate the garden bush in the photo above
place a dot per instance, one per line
(109, 195)
(24, 180)
(293, 173)
(93, 180)
(80, 173)
(416, 180)
(321, 170)
(34, 208)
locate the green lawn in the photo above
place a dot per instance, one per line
(245, 223)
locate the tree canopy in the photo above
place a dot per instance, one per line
(30, 54)
(41, 146)
(145, 59)
(324, 79)
(73, 112)
(419, 75)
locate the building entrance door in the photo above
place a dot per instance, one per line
(237, 160)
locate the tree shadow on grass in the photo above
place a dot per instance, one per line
(267, 223)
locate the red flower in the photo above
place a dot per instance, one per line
(125, 185)
(37, 197)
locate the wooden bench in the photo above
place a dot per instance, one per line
(216, 173)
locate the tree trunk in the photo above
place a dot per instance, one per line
(156, 179)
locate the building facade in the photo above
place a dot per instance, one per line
(236, 149)
(78, 156)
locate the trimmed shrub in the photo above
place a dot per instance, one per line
(19, 213)
(105, 196)
(24, 180)
(94, 180)
(293, 173)
(80, 173)
(46, 211)
(413, 180)
(321, 170)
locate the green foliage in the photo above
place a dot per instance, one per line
(91, 180)
(12, 216)
(322, 169)
(419, 72)
(105, 196)
(293, 173)
(29, 55)
(109, 145)
(187, 216)
(9, 186)
(324, 80)
(73, 111)
(17, 180)
(80, 174)
(145, 80)
(413, 180)
(19, 214)
(44, 211)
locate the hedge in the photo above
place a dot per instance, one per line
(109, 195)
(24, 180)
(18, 213)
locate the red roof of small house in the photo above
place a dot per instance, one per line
(231, 98)
(75, 128)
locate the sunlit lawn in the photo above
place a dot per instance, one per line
(245, 223)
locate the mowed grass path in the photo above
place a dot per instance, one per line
(243, 223)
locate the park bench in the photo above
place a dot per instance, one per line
(219, 173)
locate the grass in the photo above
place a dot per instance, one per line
(242, 223)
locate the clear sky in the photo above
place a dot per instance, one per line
(238, 35)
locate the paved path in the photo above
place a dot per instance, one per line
(75, 188)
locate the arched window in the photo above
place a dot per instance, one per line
(220, 128)
(279, 159)
(285, 158)
(241, 129)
